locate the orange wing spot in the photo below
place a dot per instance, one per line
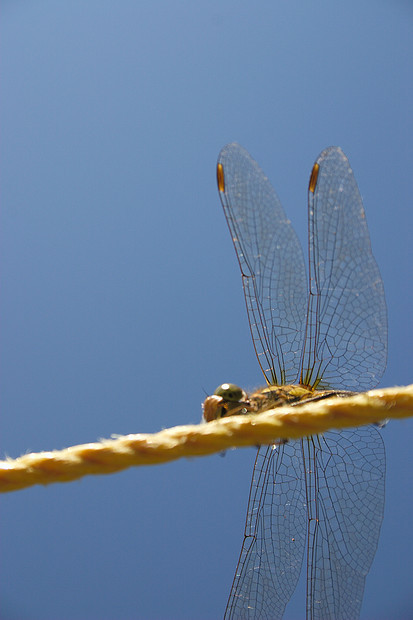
(220, 178)
(313, 178)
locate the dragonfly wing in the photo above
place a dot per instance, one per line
(275, 533)
(345, 508)
(346, 334)
(271, 261)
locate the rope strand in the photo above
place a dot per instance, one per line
(113, 455)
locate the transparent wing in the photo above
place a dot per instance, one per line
(345, 512)
(340, 478)
(346, 336)
(275, 533)
(271, 262)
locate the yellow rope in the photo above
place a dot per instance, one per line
(109, 456)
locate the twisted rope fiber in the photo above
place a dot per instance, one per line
(113, 455)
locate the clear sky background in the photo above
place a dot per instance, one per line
(121, 300)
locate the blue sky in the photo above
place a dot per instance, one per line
(121, 299)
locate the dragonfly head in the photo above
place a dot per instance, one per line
(228, 399)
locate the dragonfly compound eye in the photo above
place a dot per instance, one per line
(230, 392)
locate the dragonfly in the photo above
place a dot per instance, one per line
(318, 500)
